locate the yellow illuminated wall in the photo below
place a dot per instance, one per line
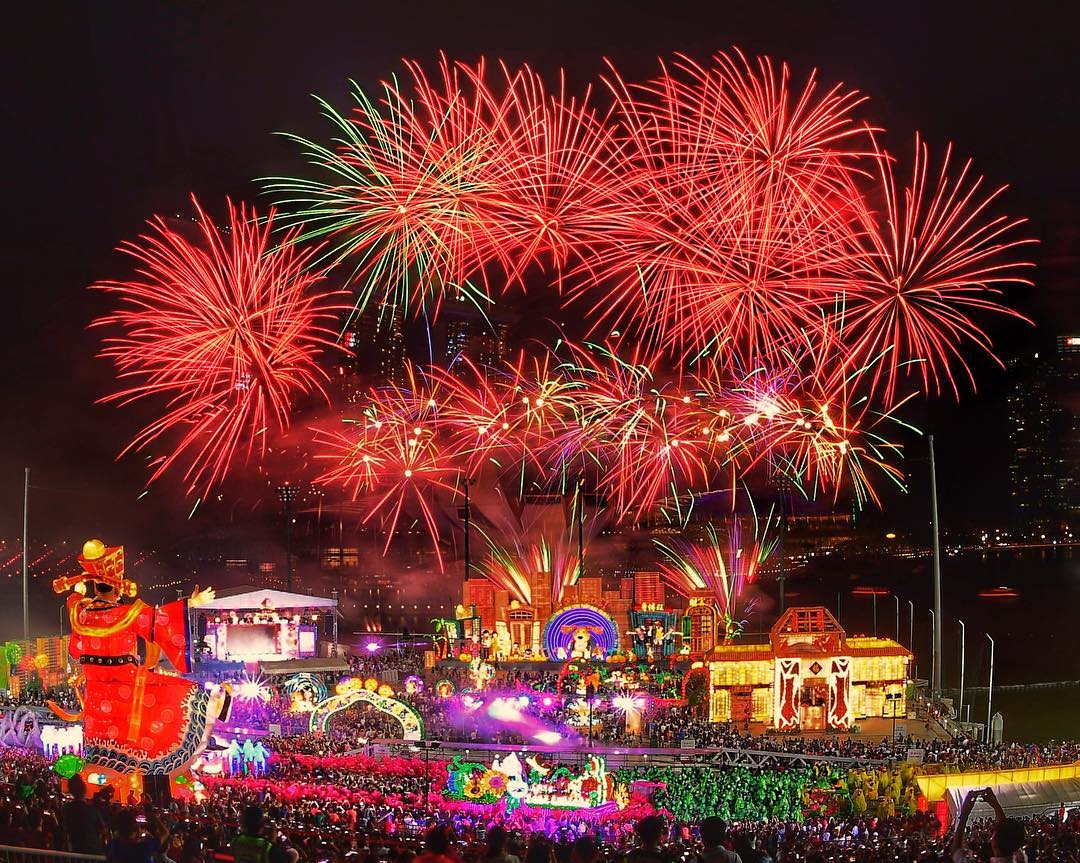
(754, 674)
(878, 669)
(935, 787)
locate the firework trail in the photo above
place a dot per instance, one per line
(718, 566)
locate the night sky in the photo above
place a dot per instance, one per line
(115, 111)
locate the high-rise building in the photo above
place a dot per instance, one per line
(1044, 433)
(464, 330)
(1068, 396)
(376, 340)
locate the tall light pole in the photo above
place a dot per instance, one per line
(893, 697)
(580, 527)
(963, 639)
(911, 626)
(782, 576)
(25, 559)
(990, 690)
(897, 598)
(468, 516)
(933, 651)
(936, 690)
(590, 694)
(287, 494)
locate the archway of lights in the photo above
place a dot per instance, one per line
(412, 725)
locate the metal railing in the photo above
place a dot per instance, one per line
(621, 756)
(11, 854)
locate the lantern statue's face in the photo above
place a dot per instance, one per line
(103, 592)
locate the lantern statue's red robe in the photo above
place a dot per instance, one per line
(136, 718)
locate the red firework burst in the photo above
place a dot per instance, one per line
(224, 329)
(394, 458)
(735, 208)
(935, 255)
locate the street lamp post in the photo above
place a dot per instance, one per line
(334, 618)
(427, 777)
(911, 626)
(990, 689)
(468, 518)
(933, 653)
(287, 494)
(937, 570)
(897, 598)
(894, 697)
(581, 527)
(963, 639)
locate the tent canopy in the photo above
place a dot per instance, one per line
(255, 599)
(1021, 799)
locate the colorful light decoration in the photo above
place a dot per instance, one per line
(136, 720)
(380, 696)
(68, 765)
(444, 689)
(253, 689)
(305, 690)
(481, 673)
(580, 631)
(691, 793)
(535, 784)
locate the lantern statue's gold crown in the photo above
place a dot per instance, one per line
(100, 563)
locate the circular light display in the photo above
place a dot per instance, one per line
(580, 631)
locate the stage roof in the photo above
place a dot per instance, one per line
(252, 598)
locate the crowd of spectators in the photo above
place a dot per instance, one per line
(36, 696)
(34, 812)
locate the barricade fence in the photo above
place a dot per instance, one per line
(11, 854)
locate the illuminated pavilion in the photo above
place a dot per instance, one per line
(810, 676)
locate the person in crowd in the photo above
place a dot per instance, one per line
(540, 850)
(650, 833)
(1006, 841)
(252, 845)
(714, 833)
(497, 841)
(438, 847)
(81, 821)
(585, 850)
(133, 844)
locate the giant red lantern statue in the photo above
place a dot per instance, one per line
(137, 720)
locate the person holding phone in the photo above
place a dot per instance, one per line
(1007, 841)
(138, 839)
